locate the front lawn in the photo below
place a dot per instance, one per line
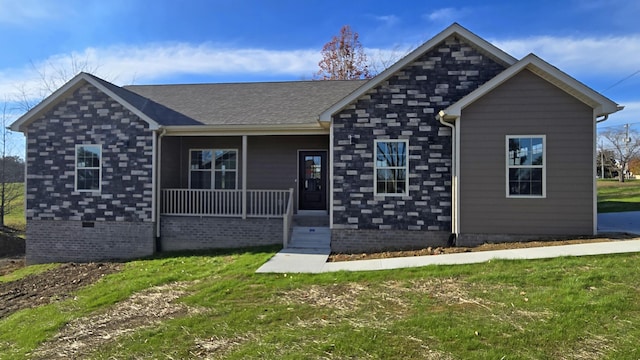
(214, 306)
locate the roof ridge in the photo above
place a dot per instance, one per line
(247, 83)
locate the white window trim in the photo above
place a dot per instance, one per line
(213, 167)
(375, 168)
(75, 161)
(543, 167)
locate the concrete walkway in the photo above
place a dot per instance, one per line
(314, 260)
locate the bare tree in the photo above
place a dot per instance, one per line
(50, 77)
(625, 144)
(382, 59)
(9, 179)
(343, 58)
(605, 162)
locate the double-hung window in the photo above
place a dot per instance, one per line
(213, 169)
(391, 167)
(88, 167)
(526, 161)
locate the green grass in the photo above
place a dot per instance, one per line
(614, 196)
(540, 309)
(15, 217)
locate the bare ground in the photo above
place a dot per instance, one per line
(56, 284)
(484, 247)
(82, 336)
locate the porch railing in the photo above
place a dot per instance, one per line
(287, 221)
(193, 202)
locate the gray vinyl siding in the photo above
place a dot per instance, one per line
(272, 161)
(175, 157)
(527, 105)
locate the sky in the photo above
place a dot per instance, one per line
(200, 41)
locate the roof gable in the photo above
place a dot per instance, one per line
(455, 29)
(601, 104)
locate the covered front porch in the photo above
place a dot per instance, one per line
(238, 190)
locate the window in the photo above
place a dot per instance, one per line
(88, 167)
(526, 166)
(391, 167)
(213, 169)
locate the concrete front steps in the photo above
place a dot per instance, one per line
(310, 237)
(308, 249)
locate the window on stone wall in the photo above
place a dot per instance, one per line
(88, 167)
(213, 169)
(391, 167)
(526, 166)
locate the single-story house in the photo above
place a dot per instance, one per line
(456, 142)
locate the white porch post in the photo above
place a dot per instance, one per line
(244, 176)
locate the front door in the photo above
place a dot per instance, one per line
(312, 180)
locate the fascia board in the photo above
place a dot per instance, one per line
(546, 71)
(71, 85)
(153, 125)
(28, 117)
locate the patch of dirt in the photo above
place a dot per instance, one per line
(11, 264)
(334, 257)
(215, 347)
(144, 309)
(56, 284)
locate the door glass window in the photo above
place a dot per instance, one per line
(313, 173)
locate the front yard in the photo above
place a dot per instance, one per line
(215, 306)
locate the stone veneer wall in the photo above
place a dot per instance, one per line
(198, 233)
(403, 107)
(121, 213)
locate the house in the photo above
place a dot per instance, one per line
(458, 141)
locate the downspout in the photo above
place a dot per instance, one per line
(158, 185)
(454, 179)
(595, 171)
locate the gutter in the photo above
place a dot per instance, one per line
(455, 228)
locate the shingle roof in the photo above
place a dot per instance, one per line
(268, 103)
(158, 112)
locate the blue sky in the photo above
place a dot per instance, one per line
(162, 41)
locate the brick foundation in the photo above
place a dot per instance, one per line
(65, 241)
(199, 233)
(351, 241)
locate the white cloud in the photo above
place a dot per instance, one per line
(444, 14)
(447, 15)
(123, 64)
(604, 55)
(387, 20)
